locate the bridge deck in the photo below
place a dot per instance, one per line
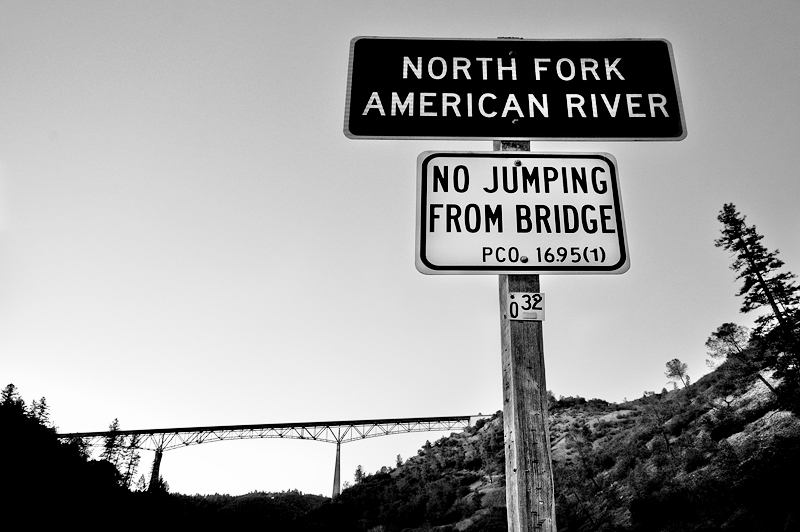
(326, 431)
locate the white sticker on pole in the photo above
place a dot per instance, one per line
(525, 306)
(519, 213)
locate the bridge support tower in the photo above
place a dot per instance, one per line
(337, 472)
(155, 474)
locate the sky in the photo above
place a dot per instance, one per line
(187, 237)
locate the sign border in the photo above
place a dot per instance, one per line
(347, 106)
(424, 266)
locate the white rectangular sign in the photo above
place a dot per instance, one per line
(525, 306)
(519, 213)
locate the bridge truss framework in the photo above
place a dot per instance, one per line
(338, 432)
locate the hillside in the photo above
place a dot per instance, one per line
(716, 455)
(456, 480)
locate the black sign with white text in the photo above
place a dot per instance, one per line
(495, 89)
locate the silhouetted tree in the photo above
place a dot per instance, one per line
(162, 486)
(762, 282)
(677, 370)
(764, 285)
(10, 396)
(113, 449)
(141, 484)
(758, 268)
(40, 411)
(130, 460)
(47, 482)
(732, 341)
(359, 475)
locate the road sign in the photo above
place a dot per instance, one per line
(525, 306)
(519, 213)
(497, 89)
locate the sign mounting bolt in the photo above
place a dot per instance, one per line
(517, 163)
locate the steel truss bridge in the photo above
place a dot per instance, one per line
(338, 432)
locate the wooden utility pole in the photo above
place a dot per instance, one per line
(530, 499)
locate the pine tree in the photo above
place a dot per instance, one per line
(130, 460)
(113, 445)
(141, 484)
(762, 283)
(677, 370)
(731, 341)
(40, 411)
(359, 475)
(776, 336)
(10, 396)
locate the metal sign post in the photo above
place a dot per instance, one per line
(530, 498)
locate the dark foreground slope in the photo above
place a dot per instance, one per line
(719, 455)
(48, 484)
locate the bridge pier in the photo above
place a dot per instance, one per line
(155, 473)
(336, 472)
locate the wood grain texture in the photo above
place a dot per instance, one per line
(530, 498)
